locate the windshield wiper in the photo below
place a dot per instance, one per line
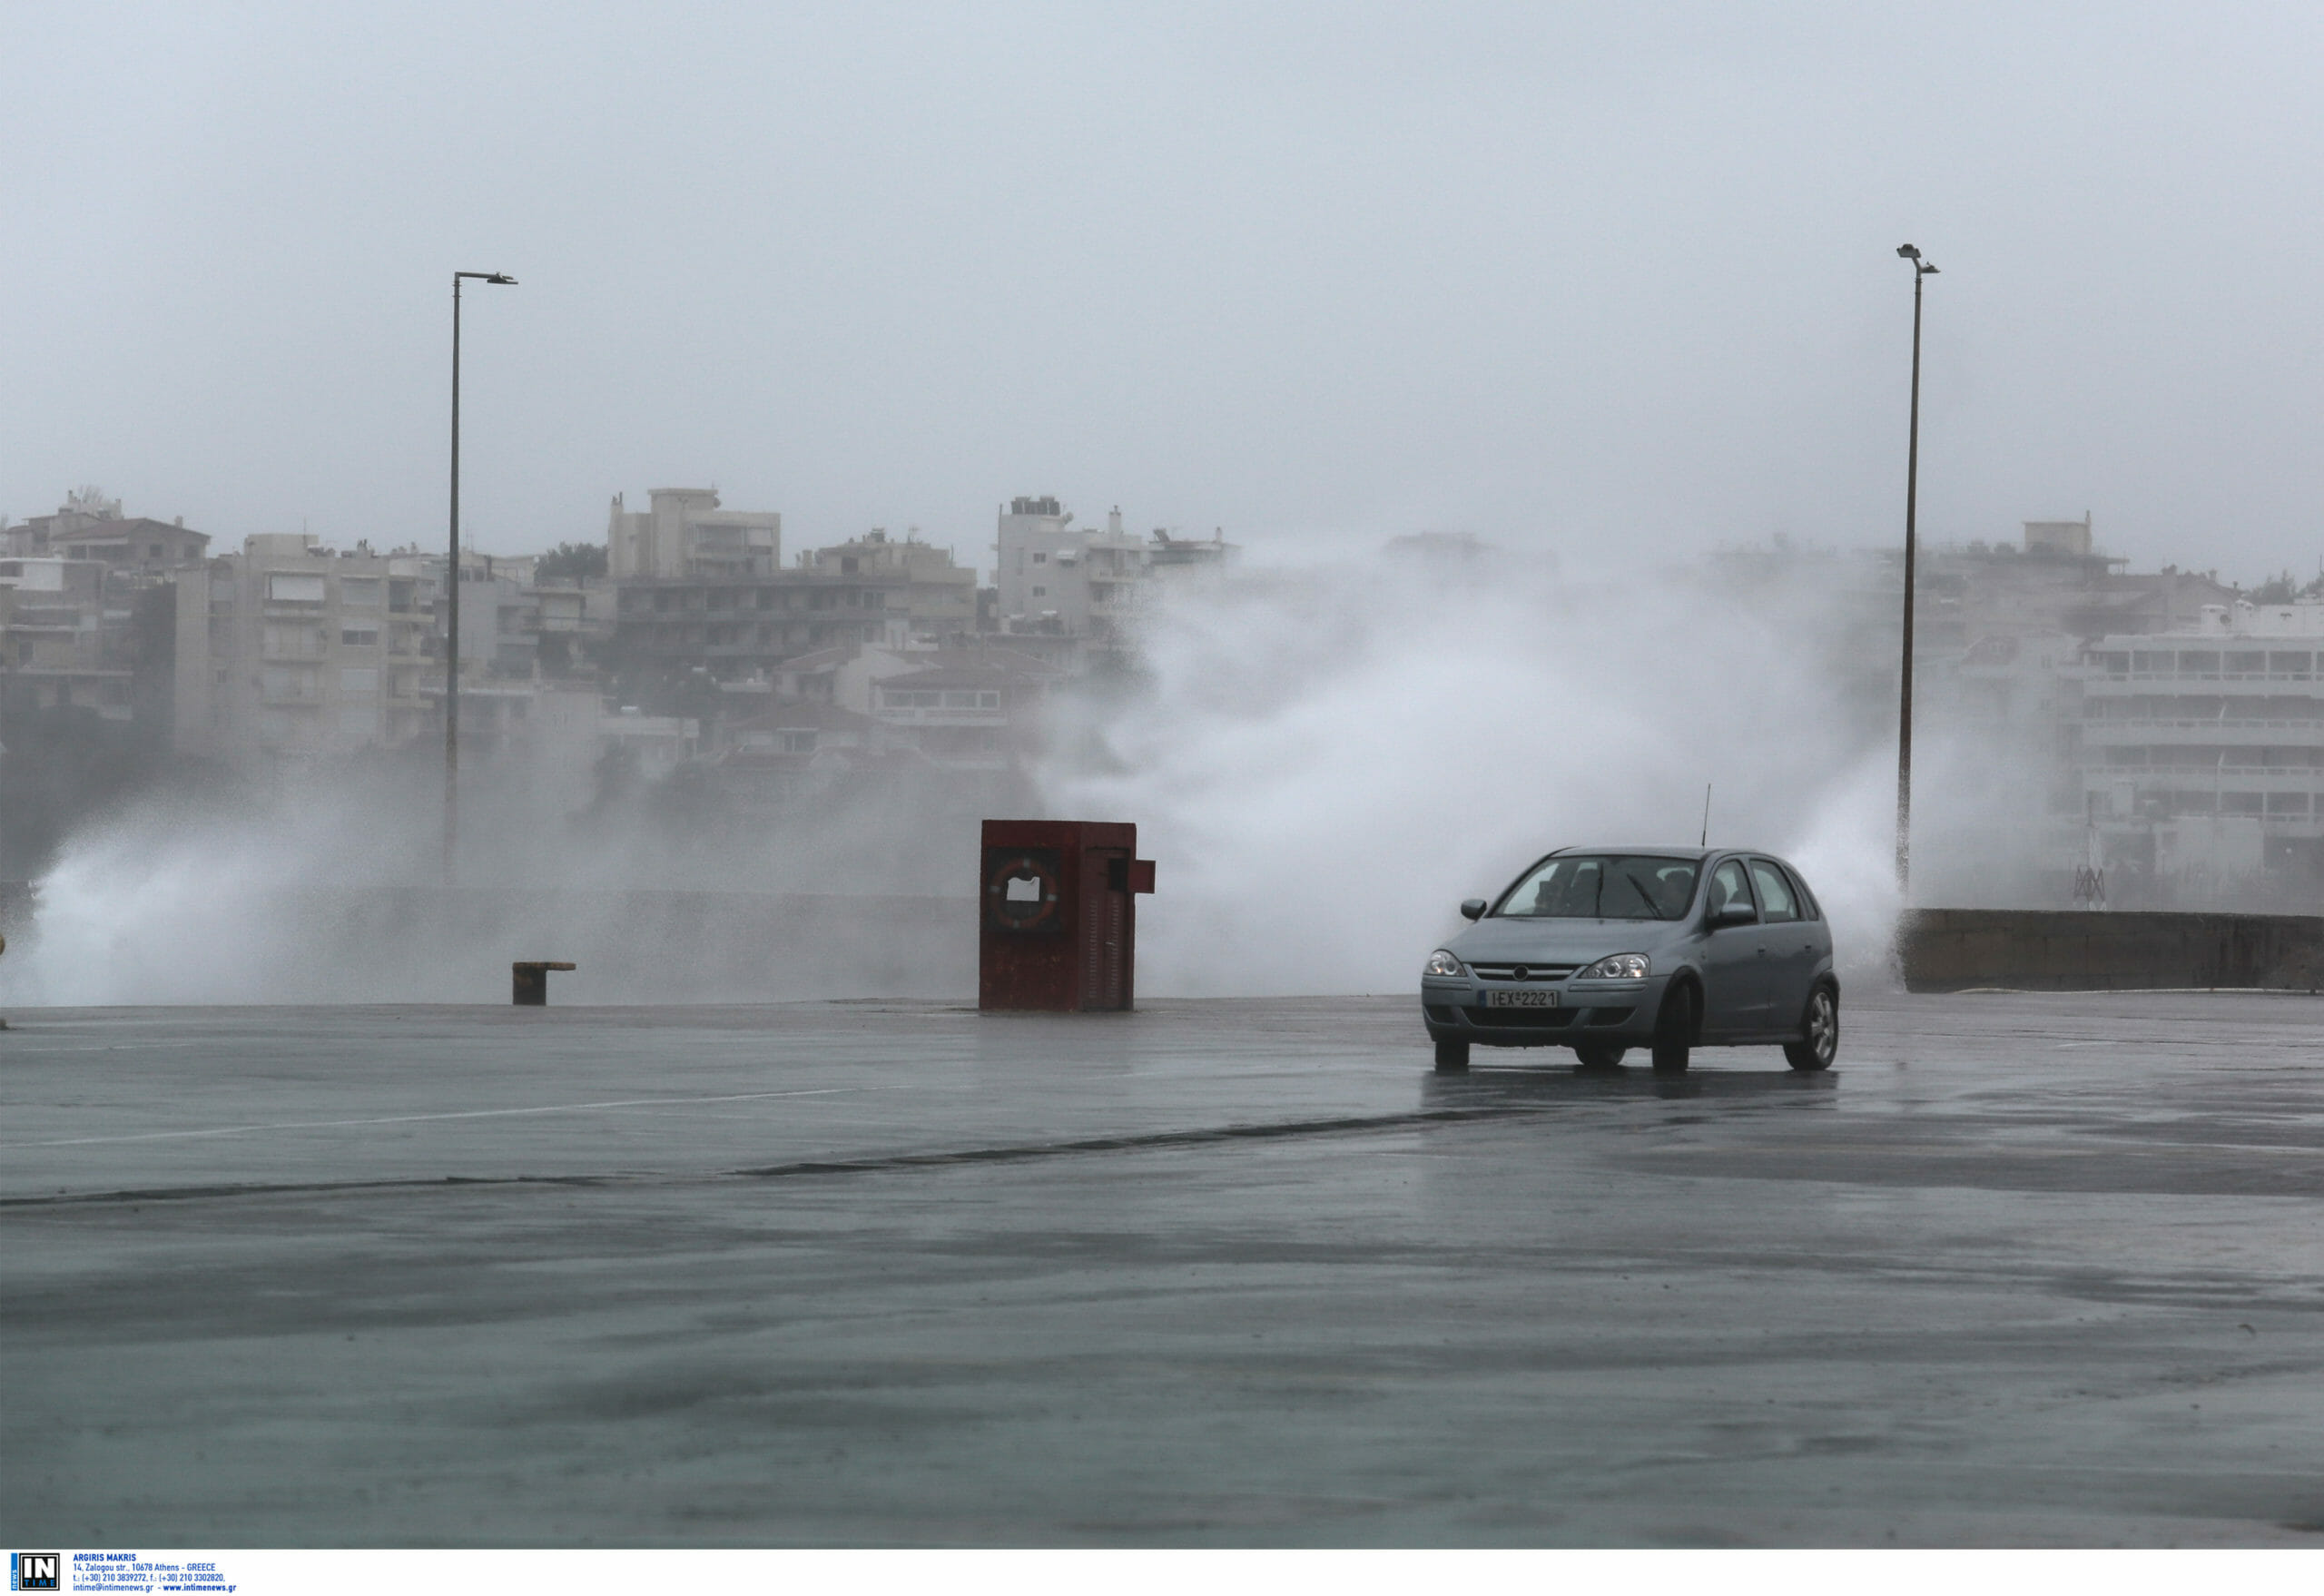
(1644, 896)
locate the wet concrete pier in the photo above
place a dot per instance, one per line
(2023, 1270)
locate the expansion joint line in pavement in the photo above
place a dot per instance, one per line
(1357, 1124)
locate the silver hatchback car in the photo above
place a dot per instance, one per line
(1601, 950)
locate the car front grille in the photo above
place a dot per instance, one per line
(1531, 971)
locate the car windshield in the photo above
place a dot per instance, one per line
(1602, 886)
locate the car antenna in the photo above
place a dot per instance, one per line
(1705, 841)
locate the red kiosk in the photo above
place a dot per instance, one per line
(1057, 915)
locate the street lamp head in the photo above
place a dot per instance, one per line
(1908, 251)
(500, 277)
(484, 276)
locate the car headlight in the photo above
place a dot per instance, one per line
(1616, 967)
(1442, 963)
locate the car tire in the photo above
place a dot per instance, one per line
(1599, 1055)
(1819, 1032)
(1451, 1057)
(1674, 1027)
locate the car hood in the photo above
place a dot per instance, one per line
(1562, 942)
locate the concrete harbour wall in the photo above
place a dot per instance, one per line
(347, 944)
(1950, 949)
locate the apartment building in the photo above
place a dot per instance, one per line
(1177, 559)
(1082, 587)
(939, 596)
(293, 651)
(571, 616)
(2052, 581)
(89, 525)
(63, 636)
(142, 544)
(963, 708)
(685, 536)
(84, 621)
(739, 628)
(500, 615)
(2203, 752)
(789, 747)
(1056, 578)
(859, 708)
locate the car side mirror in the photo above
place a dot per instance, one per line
(1732, 914)
(1473, 909)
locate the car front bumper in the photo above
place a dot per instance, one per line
(1619, 1013)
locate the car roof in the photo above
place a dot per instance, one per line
(1660, 851)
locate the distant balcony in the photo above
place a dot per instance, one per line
(945, 717)
(2122, 683)
(2113, 731)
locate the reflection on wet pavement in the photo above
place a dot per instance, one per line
(2019, 1270)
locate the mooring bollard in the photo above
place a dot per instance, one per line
(530, 980)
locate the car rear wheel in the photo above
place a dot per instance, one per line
(1674, 1027)
(1819, 1032)
(1451, 1057)
(1599, 1055)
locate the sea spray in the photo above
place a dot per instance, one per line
(1326, 762)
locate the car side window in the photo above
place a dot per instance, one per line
(1727, 886)
(1776, 903)
(1807, 910)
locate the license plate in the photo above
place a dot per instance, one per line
(1521, 999)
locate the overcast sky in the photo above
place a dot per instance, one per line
(1609, 277)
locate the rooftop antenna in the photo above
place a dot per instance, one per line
(1705, 841)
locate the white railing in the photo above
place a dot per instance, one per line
(950, 717)
(2202, 677)
(2105, 723)
(2187, 776)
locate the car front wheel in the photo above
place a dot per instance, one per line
(1819, 1032)
(1451, 1057)
(1674, 1027)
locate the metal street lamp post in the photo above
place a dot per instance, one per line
(1922, 271)
(452, 606)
